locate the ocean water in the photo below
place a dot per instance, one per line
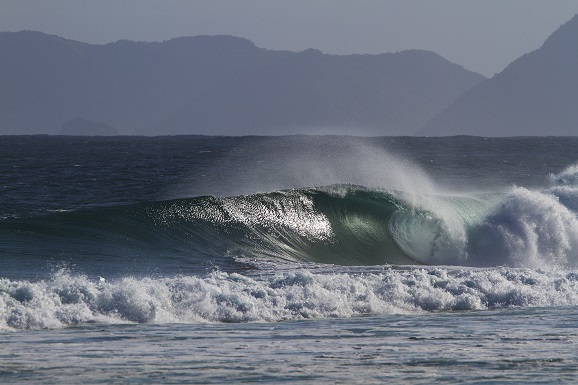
(288, 259)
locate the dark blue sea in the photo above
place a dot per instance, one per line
(312, 259)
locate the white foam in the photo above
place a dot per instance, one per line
(569, 176)
(288, 295)
(528, 229)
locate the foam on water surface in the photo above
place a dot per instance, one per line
(269, 295)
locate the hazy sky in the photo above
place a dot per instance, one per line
(481, 35)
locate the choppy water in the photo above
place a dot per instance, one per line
(319, 259)
(521, 345)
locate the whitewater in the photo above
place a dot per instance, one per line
(314, 259)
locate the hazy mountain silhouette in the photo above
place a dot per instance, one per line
(218, 85)
(536, 94)
(87, 127)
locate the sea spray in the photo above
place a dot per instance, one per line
(332, 161)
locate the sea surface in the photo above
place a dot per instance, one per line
(312, 259)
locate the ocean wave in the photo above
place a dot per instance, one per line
(338, 224)
(68, 299)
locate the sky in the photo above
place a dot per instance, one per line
(481, 35)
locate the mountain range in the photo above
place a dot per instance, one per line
(218, 85)
(225, 85)
(535, 95)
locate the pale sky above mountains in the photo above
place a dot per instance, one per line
(481, 35)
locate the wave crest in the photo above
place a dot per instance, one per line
(341, 225)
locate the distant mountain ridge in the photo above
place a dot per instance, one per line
(218, 85)
(87, 128)
(537, 94)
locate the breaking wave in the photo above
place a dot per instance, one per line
(67, 299)
(294, 254)
(339, 224)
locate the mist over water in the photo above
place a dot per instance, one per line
(295, 162)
